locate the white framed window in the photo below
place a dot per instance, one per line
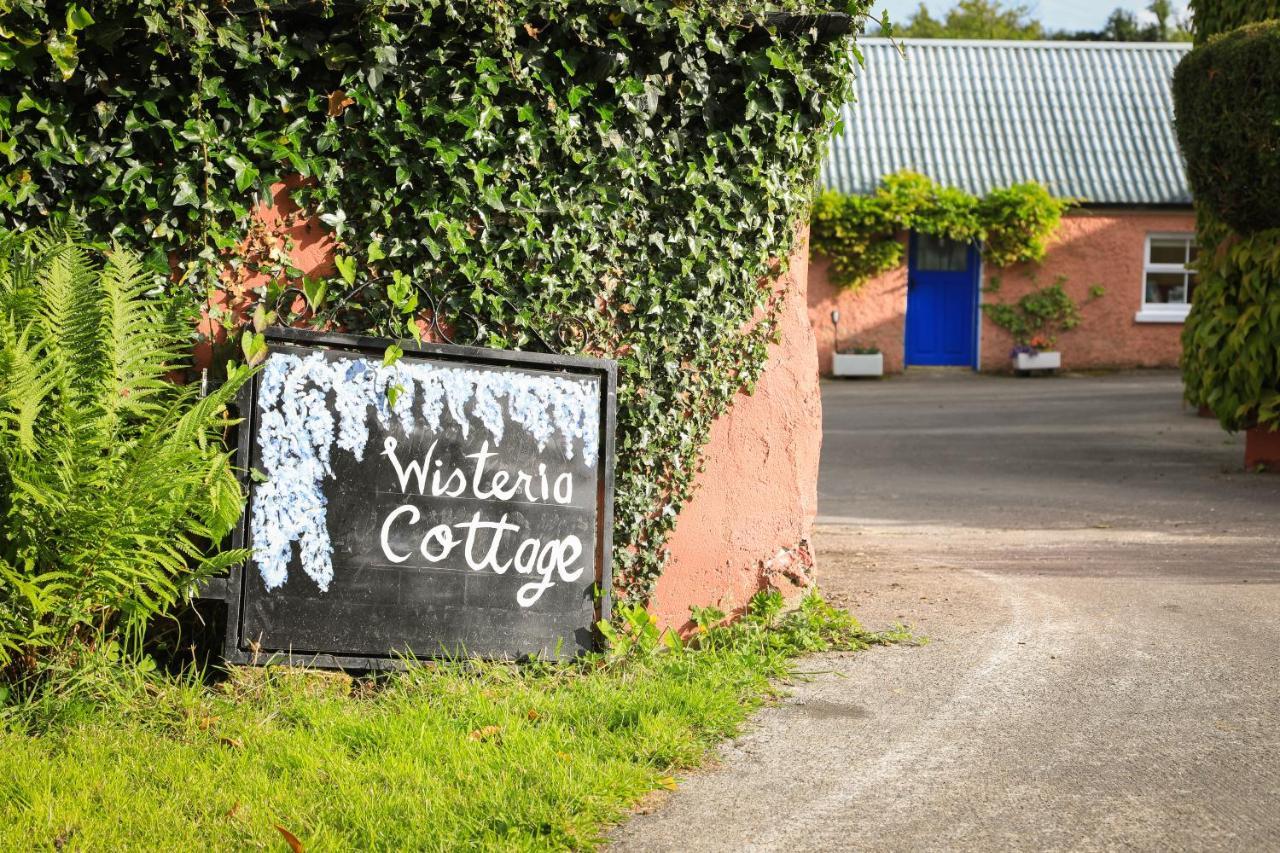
(1168, 279)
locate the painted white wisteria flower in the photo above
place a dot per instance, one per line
(308, 404)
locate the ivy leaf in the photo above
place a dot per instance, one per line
(393, 394)
(375, 252)
(393, 354)
(334, 220)
(256, 108)
(186, 194)
(346, 267)
(77, 18)
(254, 346)
(314, 289)
(245, 174)
(64, 51)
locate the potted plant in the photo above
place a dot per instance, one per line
(1036, 320)
(858, 361)
(854, 360)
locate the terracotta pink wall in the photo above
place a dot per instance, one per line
(1104, 247)
(1091, 247)
(871, 314)
(276, 231)
(749, 523)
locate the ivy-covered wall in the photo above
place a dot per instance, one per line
(1231, 341)
(638, 168)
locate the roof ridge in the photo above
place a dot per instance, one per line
(1046, 44)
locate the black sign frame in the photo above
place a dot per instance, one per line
(241, 649)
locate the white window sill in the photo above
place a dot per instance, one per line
(1163, 314)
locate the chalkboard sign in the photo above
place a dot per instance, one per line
(455, 502)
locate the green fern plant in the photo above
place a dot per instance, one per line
(115, 483)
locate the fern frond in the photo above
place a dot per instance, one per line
(138, 346)
(68, 309)
(112, 478)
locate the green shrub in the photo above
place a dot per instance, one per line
(1017, 222)
(1228, 113)
(1038, 317)
(112, 477)
(858, 234)
(1231, 340)
(1227, 102)
(861, 234)
(637, 168)
(1217, 16)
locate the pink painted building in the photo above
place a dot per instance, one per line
(1092, 122)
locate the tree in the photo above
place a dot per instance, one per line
(1163, 10)
(922, 25)
(974, 19)
(1123, 25)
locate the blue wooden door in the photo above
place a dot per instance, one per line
(942, 302)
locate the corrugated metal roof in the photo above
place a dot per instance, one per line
(1090, 120)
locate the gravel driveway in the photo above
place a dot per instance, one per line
(1100, 585)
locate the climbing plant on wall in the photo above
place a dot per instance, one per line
(860, 234)
(1231, 340)
(636, 167)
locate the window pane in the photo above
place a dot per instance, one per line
(935, 253)
(1169, 250)
(1166, 288)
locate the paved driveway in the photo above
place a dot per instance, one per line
(982, 451)
(1100, 584)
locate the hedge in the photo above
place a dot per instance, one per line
(638, 168)
(1227, 101)
(1218, 16)
(1231, 340)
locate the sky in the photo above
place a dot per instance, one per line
(1054, 14)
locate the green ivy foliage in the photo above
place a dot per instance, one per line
(1227, 103)
(637, 167)
(1218, 16)
(1231, 340)
(1038, 317)
(860, 234)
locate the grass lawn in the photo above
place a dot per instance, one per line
(436, 757)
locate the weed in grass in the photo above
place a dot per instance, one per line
(440, 756)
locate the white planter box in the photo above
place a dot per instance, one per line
(1039, 361)
(847, 364)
